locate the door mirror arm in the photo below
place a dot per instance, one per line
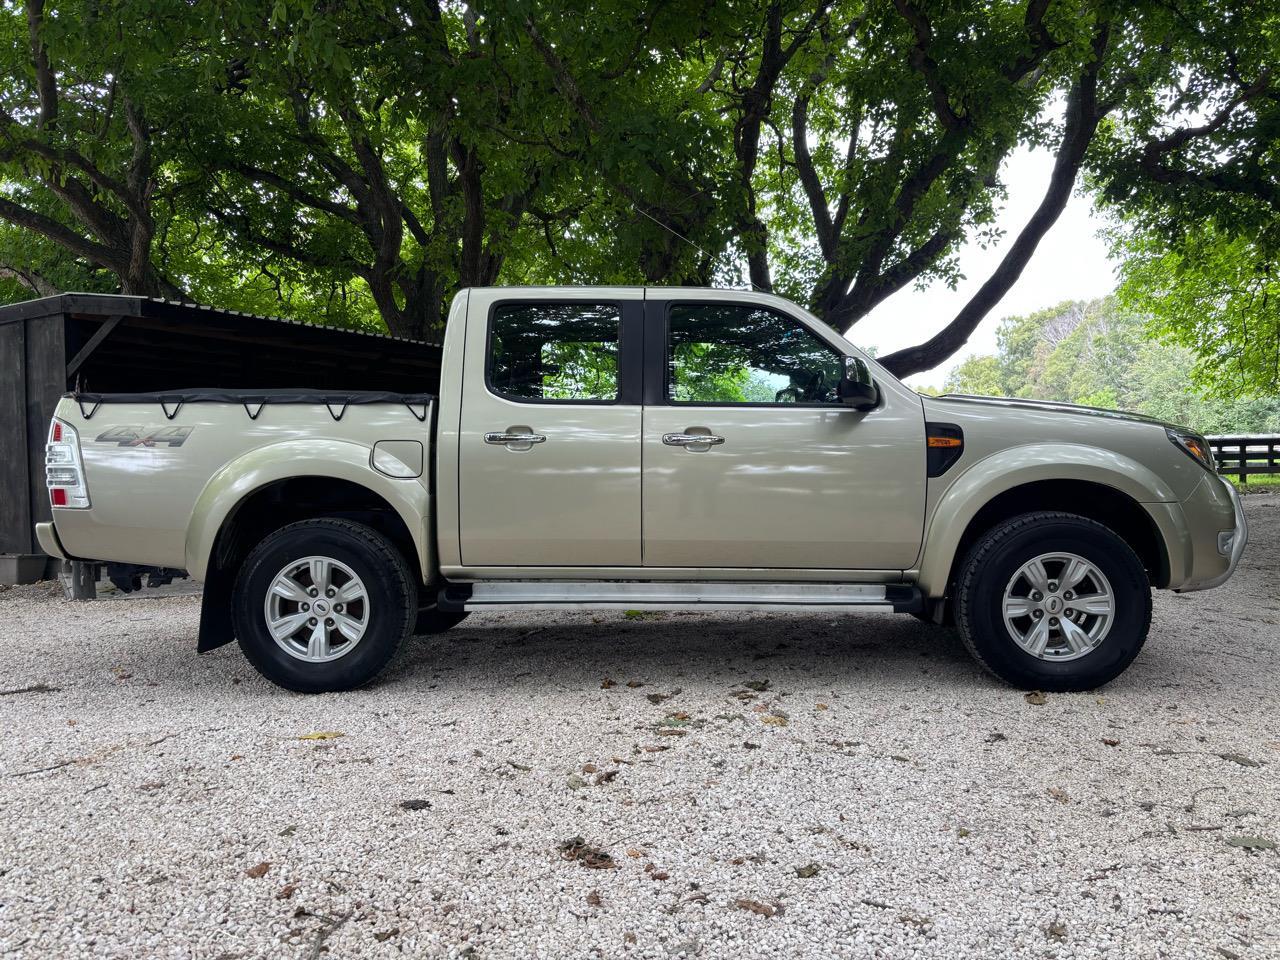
(856, 388)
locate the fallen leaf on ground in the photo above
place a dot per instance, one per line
(1111, 741)
(748, 745)
(821, 706)
(1057, 930)
(634, 683)
(606, 683)
(656, 698)
(759, 686)
(775, 719)
(322, 735)
(1059, 794)
(593, 858)
(288, 831)
(519, 766)
(755, 906)
(589, 768)
(259, 871)
(995, 737)
(576, 782)
(287, 891)
(807, 871)
(593, 898)
(386, 935)
(633, 852)
(1036, 698)
(415, 804)
(1251, 843)
(656, 748)
(607, 777)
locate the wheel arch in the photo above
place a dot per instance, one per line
(1132, 502)
(272, 487)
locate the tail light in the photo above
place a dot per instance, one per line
(63, 468)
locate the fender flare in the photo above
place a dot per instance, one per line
(1031, 463)
(288, 459)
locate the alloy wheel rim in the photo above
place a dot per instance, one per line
(317, 609)
(1058, 607)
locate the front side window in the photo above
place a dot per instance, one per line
(737, 353)
(555, 352)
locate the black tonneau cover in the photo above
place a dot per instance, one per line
(337, 401)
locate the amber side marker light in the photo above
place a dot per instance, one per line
(944, 445)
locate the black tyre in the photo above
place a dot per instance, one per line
(323, 605)
(431, 620)
(1052, 601)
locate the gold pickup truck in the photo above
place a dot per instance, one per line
(641, 448)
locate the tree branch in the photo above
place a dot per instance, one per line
(95, 253)
(1083, 116)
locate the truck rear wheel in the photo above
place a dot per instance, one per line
(1053, 601)
(323, 605)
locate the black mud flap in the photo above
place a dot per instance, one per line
(216, 627)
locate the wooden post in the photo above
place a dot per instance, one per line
(84, 580)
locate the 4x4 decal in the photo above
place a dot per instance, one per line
(145, 436)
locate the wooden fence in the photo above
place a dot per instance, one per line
(1242, 457)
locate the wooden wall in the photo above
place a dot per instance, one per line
(32, 378)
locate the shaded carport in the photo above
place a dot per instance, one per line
(108, 343)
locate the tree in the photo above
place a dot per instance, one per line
(86, 92)
(360, 139)
(1101, 353)
(1216, 294)
(977, 375)
(1193, 176)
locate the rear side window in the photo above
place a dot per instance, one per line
(555, 352)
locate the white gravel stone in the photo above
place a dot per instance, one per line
(921, 791)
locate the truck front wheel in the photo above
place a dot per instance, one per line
(1053, 601)
(323, 605)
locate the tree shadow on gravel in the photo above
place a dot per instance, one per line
(671, 649)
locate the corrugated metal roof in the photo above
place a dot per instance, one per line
(109, 303)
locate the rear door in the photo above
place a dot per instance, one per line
(788, 477)
(550, 431)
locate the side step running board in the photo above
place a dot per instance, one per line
(638, 595)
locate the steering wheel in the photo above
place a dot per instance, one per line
(793, 392)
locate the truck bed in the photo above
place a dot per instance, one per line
(158, 466)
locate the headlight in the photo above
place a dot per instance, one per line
(1194, 446)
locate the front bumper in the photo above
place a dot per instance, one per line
(1229, 543)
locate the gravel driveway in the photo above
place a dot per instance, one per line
(700, 785)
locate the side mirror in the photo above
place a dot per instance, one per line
(856, 388)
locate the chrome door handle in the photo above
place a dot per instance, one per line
(503, 438)
(691, 439)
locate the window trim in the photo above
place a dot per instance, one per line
(629, 359)
(663, 390)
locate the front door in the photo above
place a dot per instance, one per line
(549, 439)
(787, 477)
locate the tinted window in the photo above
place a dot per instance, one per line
(554, 351)
(726, 353)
